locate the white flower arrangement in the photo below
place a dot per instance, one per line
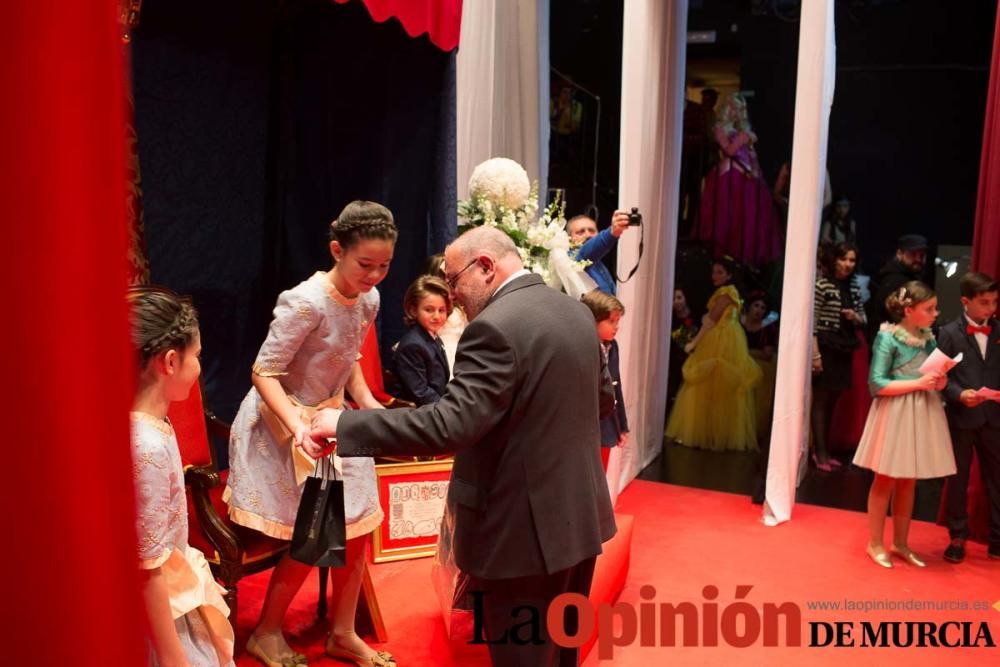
(500, 195)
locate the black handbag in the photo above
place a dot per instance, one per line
(320, 534)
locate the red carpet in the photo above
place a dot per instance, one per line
(686, 539)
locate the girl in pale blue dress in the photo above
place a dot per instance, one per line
(906, 436)
(308, 359)
(187, 617)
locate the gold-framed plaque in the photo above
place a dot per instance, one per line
(413, 497)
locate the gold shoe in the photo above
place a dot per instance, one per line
(880, 557)
(380, 659)
(907, 554)
(294, 660)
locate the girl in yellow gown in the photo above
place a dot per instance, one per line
(715, 407)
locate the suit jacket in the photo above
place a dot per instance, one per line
(527, 487)
(972, 373)
(616, 423)
(421, 366)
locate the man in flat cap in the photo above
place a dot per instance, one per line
(906, 265)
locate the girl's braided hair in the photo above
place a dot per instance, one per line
(363, 220)
(161, 320)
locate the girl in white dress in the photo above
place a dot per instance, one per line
(187, 617)
(309, 358)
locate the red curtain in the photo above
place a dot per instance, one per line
(440, 19)
(986, 243)
(986, 250)
(69, 552)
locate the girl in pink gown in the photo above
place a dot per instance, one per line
(737, 212)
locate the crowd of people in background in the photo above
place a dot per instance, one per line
(870, 336)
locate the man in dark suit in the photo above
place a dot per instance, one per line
(974, 422)
(521, 414)
(906, 265)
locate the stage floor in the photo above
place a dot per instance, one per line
(686, 539)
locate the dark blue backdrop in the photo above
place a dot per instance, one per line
(258, 121)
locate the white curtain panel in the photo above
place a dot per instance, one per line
(813, 98)
(653, 65)
(502, 87)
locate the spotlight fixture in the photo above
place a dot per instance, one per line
(950, 266)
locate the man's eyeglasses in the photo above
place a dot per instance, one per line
(454, 279)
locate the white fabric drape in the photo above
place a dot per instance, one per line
(502, 76)
(653, 64)
(813, 98)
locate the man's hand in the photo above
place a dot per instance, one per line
(324, 424)
(969, 399)
(622, 439)
(619, 223)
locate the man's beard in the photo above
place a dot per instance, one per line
(474, 303)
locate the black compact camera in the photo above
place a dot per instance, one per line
(634, 218)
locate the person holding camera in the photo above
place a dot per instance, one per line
(594, 245)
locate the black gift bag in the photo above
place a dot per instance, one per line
(320, 535)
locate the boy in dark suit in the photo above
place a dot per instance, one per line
(974, 422)
(608, 312)
(420, 363)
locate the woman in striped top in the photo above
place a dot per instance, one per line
(838, 314)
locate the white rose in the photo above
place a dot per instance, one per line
(501, 181)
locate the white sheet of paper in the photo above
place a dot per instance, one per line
(939, 362)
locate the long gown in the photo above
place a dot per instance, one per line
(196, 603)
(715, 406)
(311, 347)
(737, 210)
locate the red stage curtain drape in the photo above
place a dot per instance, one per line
(440, 19)
(986, 243)
(986, 248)
(69, 552)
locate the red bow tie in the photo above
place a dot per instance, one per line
(973, 329)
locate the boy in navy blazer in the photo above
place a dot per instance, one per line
(421, 365)
(974, 422)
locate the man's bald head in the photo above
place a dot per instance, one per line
(485, 240)
(477, 263)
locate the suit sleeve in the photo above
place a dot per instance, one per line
(605, 390)
(412, 366)
(946, 343)
(477, 399)
(614, 360)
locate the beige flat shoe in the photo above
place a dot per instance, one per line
(907, 554)
(294, 660)
(879, 556)
(380, 659)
